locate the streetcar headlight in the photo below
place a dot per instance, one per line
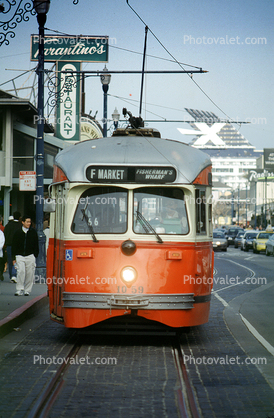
(128, 275)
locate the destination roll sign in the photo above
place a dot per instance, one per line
(126, 174)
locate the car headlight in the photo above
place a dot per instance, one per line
(218, 243)
(128, 275)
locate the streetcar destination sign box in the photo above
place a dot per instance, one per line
(71, 48)
(125, 174)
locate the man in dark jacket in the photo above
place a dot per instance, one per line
(12, 226)
(24, 251)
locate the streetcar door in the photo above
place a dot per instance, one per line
(59, 252)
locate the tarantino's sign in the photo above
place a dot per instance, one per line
(71, 48)
(124, 174)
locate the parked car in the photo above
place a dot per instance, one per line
(260, 241)
(232, 233)
(219, 241)
(247, 240)
(238, 238)
(269, 245)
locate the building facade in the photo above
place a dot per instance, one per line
(18, 134)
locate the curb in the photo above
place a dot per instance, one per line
(27, 311)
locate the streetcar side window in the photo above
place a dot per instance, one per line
(163, 208)
(101, 209)
(200, 207)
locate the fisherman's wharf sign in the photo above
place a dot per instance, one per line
(71, 48)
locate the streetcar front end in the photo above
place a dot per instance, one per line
(130, 240)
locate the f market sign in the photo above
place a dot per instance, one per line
(71, 48)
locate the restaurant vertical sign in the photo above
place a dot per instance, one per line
(68, 108)
(69, 52)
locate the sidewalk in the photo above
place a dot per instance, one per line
(14, 310)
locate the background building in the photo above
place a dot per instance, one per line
(233, 157)
(17, 150)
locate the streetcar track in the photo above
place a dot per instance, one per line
(47, 398)
(187, 402)
(188, 406)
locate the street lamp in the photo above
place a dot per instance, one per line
(41, 7)
(232, 207)
(115, 117)
(265, 210)
(105, 80)
(255, 224)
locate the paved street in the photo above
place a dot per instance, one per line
(230, 365)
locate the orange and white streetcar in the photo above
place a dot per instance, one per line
(130, 231)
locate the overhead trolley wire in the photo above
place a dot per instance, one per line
(177, 62)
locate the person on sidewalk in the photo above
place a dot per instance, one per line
(12, 226)
(2, 260)
(24, 251)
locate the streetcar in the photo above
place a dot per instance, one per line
(130, 231)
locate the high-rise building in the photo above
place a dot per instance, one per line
(231, 153)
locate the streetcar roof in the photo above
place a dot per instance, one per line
(132, 151)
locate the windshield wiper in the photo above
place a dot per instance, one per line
(89, 224)
(146, 225)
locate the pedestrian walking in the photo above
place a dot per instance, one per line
(24, 251)
(2, 260)
(12, 226)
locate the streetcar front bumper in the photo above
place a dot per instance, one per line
(119, 301)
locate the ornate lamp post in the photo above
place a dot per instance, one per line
(105, 80)
(115, 117)
(41, 7)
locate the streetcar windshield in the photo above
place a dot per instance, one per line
(164, 209)
(103, 208)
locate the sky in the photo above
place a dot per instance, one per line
(232, 40)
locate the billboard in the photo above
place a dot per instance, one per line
(258, 174)
(269, 159)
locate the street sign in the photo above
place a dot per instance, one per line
(71, 48)
(269, 158)
(27, 181)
